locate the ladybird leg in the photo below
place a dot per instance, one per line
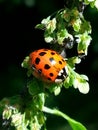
(33, 67)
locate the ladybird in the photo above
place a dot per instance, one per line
(48, 65)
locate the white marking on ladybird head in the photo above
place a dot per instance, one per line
(66, 69)
(62, 75)
(60, 72)
(58, 80)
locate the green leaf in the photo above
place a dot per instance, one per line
(35, 86)
(73, 60)
(61, 35)
(25, 62)
(85, 26)
(69, 81)
(96, 4)
(40, 26)
(51, 25)
(73, 123)
(83, 41)
(39, 101)
(76, 125)
(57, 90)
(46, 20)
(77, 81)
(48, 39)
(84, 77)
(77, 25)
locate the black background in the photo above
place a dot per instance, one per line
(18, 38)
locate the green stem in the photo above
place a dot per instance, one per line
(74, 124)
(55, 112)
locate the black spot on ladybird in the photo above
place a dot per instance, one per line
(42, 53)
(49, 78)
(63, 60)
(47, 66)
(37, 60)
(52, 53)
(51, 74)
(60, 62)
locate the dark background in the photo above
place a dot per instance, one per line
(18, 38)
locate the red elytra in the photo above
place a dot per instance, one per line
(48, 65)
